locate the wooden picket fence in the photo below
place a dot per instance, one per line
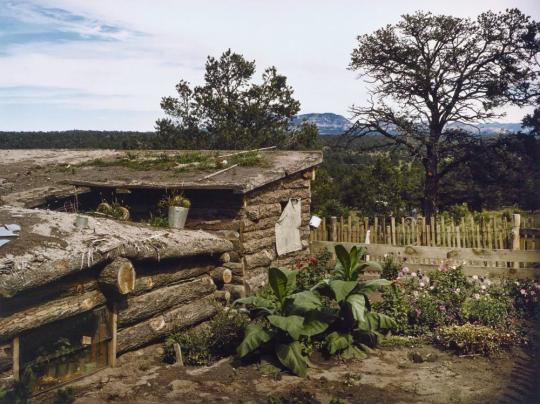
(492, 233)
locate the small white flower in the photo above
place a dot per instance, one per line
(475, 277)
(457, 290)
(413, 274)
(431, 287)
(476, 296)
(405, 269)
(533, 293)
(523, 292)
(517, 283)
(415, 293)
(385, 255)
(483, 287)
(488, 282)
(453, 267)
(422, 284)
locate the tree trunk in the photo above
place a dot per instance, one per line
(159, 327)
(431, 185)
(139, 308)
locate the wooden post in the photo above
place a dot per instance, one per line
(333, 229)
(178, 354)
(15, 348)
(516, 223)
(393, 229)
(112, 342)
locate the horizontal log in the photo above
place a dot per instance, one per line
(74, 251)
(236, 291)
(221, 275)
(252, 246)
(278, 196)
(149, 282)
(142, 307)
(157, 328)
(118, 277)
(220, 224)
(291, 259)
(236, 268)
(259, 259)
(255, 279)
(258, 234)
(222, 296)
(48, 312)
(296, 183)
(267, 223)
(262, 211)
(231, 235)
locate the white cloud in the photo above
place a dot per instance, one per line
(130, 53)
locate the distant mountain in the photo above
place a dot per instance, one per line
(328, 123)
(334, 124)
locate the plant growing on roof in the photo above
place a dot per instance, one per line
(178, 207)
(356, 326)
(283, 320)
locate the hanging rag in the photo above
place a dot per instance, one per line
(288, 228)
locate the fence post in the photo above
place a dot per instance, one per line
(393, 229)
(333, 228)
(516, 222)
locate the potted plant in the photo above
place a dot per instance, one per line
(178, 207)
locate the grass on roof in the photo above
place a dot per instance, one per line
(180, 162)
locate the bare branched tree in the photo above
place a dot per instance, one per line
(432, 77)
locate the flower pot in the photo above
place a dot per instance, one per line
(177, 217)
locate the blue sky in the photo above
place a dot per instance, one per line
(105, 64)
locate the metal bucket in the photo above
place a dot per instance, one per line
(177, 217)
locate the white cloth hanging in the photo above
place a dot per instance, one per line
(288, 228)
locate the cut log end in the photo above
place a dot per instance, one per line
(118, 277)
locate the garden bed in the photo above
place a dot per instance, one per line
(389, 375)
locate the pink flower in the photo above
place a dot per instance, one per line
(523, 292)
(405, 269)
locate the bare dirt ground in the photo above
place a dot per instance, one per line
(387, 376)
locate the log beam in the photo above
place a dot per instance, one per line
(118, 277)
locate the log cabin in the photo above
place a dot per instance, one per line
(75, 294)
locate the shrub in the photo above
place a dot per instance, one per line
(216, 339)
(64, 396)
(313, 270)
(391, 267)
(524, 294)
(474, 339)
(395, 304)
(487, 310)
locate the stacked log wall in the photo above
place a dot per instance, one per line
(168, 296)
(262, 209)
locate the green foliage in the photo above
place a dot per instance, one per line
(487, 310)
(230, 111)
(397, 341)
(218, 339)
(248, 159)
(64, 396)
(396, 305)
(284, 319)
(524, 294)
(391, 267)
(21, 390)
(313, 270)
(158, 221)
(473, 339)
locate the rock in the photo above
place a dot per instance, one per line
(415, 357)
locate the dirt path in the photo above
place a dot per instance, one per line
(388, 376)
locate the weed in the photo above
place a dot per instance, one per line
(64, 396)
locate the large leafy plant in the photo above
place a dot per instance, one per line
(356, 326)
(283, 319)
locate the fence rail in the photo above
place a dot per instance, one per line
(490, 262)
(492, 233)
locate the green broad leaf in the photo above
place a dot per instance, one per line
(293, 325)
(342, 289)
(357, 303)
(353, 256)
(343, 257)
(291, 357)
(254, 337)
(277, 278)
(256, 301)
(373, 285)
(337, 342)
(291, 279)
(352, 352)
(386, 322)
(316, 322)
(306, 300)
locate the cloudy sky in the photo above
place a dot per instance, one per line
(105, 64)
